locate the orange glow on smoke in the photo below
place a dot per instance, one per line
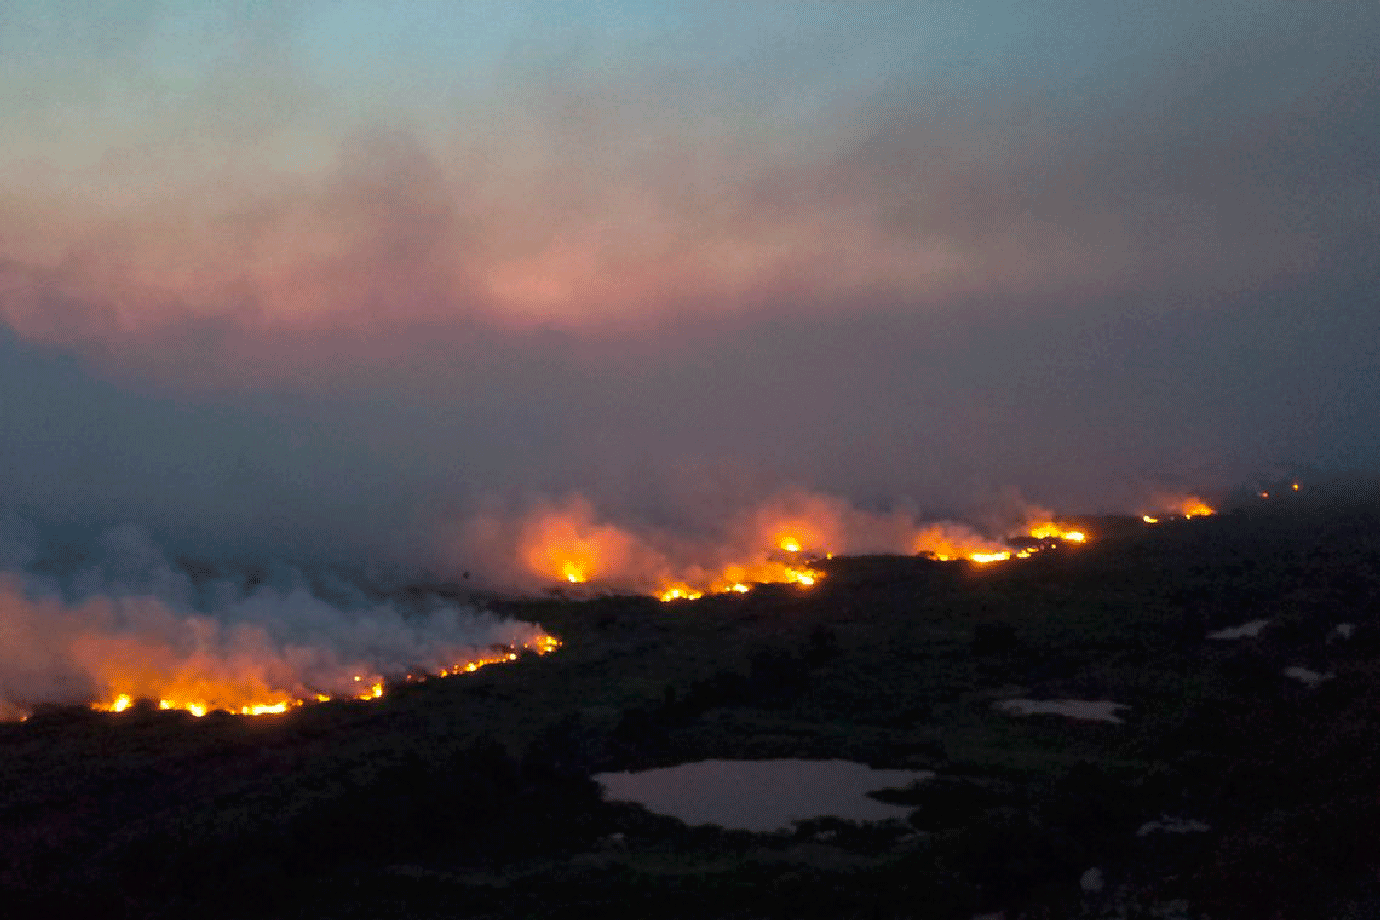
(1049, 530)
(1195, 507)
(772, 542)
(948, 542)
(1185, 506)
(567, 545)
(200, 695)
(564, 541)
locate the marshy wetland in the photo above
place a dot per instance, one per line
(1222, 787)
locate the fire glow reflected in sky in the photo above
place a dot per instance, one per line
(774, 543)
(131, 648)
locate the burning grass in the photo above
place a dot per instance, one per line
(778, 541)
(476, 792)
(200, 694)
(261, 653)
(1177, 507)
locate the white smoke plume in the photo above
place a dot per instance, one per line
(128, 623)
(547, 542)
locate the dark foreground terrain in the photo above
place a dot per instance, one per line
(472, 797)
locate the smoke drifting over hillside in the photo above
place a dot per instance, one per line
(127, 625)
(565, 542)
(305, 282)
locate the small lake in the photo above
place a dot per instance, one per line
(762, 795)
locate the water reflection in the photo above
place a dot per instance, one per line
(761, 795)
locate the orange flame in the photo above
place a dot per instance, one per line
(947, 542)
(230, 698)
(1185, 506)
(770, 542)
(1046, 530)
(1195, 507)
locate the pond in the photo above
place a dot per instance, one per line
(1091, 710)
(762, 795)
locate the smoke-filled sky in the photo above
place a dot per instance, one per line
(330, 278)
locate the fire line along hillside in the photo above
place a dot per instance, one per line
(1179, 718)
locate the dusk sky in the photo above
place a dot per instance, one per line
(326, 278)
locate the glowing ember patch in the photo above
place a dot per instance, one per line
(1264, 494)
(680, 593)
(1049, 530)
(232, 698)
(1295, 487)
(1185, 506)
(948, 542)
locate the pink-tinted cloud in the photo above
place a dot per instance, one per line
(601, 233)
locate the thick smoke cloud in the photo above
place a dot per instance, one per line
(319, 292)
(546, 543)
(127, 622)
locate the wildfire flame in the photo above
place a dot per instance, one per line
(208, 698)
(770, 542)
(950, 542)
(1050, 530)
(1184, 506)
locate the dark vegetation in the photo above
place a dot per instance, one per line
(472, 796)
